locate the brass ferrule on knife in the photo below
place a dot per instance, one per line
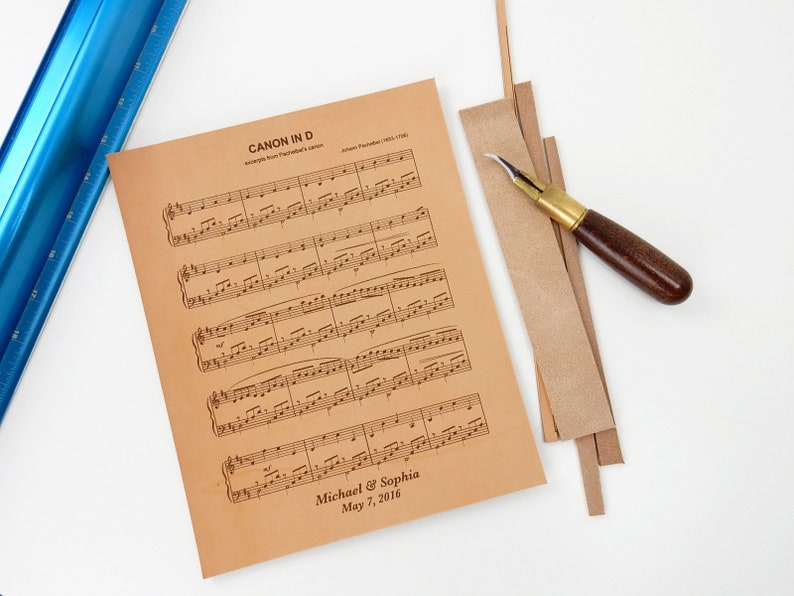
(631, 256)
(552, 200)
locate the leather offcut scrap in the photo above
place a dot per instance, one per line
(603, 447)
(504, 121)
(537, 269)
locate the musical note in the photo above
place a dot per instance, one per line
(289, 198)
(313, 387)
(296, 261)
(364, 307)
(401, 436)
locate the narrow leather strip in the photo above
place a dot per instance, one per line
(530, 129)
(588, 462)
(607, 442)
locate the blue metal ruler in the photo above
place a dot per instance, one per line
(80, 107)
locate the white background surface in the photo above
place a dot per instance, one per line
(675, 118)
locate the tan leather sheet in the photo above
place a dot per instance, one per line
(329, 350)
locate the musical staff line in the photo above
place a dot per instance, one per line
(314, 256)
(257, 335)
(253, 206)
(340, 452)
(424, 357)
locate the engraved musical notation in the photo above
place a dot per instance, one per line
(301, 388)
(343, 451)
(293, 262)
(310, 320)
(289, 198)
(322, 320)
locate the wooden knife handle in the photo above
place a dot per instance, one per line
(636, 260)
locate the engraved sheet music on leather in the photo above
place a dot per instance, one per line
(327, 343)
